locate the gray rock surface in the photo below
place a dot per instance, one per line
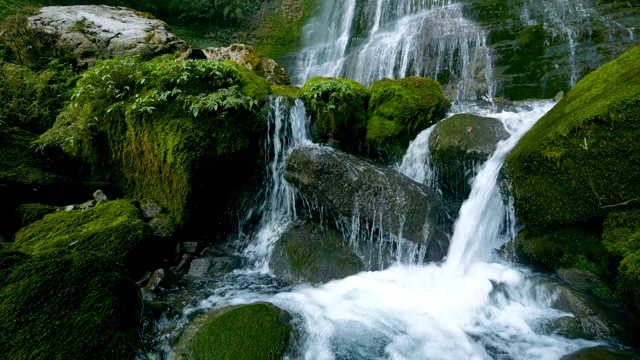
(382, 197)
(92, 32)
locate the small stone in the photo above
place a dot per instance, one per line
(191, 247)
(150, 208)
(185, 262)
(199, 266)
(558, 96)
(88, 204)
(99, 196)
(144, 279)
(69, 207)
(155, 280)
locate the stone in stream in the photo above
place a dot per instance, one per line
(383, 198)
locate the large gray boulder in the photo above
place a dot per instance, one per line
(383, 198)
(458, 146)
(247, 56)
(89, 33)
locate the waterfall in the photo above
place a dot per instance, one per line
(367, 41)
(287, 126)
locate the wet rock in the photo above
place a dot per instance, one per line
(87, 205)
(200, 267)
(185, 263)
(602, 352)
(581, 280)
(458, 146)
(191, 247)
(89, 33)
(383, 198)
(150, 208)
(155, 280)
(163, 225)
(311, 253)
(251, 59)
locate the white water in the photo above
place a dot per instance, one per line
(395, 39)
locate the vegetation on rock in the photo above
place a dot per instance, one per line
(165, 128)
(66, 305)
(254, 331)
(30, 213)
(399, 110)
(339, 108)
(580, 160)
(114, 230)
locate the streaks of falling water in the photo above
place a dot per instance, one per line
(394, 39)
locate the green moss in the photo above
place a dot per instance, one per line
(621, 234)
(399, 110)
(255, 331)
(30, 213)
(31, 100)
(339, 108)
(164, 129)
(66, 305)
(580, 160)
(567, 247)
(627, 284)
(113, 230)
(286, 90)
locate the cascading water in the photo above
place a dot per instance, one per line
(287, 126)
(371, 40)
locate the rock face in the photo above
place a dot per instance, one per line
(458, 146)
(253, 60)
(383, 198)
(311, 253)
(92, 32)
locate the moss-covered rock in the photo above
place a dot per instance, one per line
(66, 305)
(621, 237)
(27, 175)
(286, 90)
(185, 133)
(398, 111)
(312, 253)
(580, 161)
(339, 111)
(458, 146)
(114, 230)
(30, 213)
(254, 331)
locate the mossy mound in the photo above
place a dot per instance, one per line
(114, 230)
(184, 132)
(621, 237)
(311, 253)
(580, 161)
(286, 90)
(398, 111)
(66, 305)
(30, 213)
(458, 146)
(254, 331)
(339, 111)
